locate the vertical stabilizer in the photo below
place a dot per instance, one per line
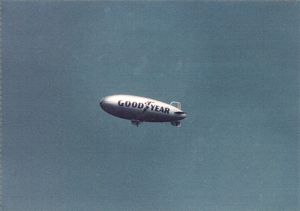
(176, 104)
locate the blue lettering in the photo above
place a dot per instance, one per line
(140, 105)
(134, 104)
(120, 103)
(127, 103)
(156, 108)
(161, 109)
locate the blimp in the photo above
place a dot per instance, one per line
(142, 109)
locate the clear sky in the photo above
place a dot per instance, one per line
(234, 66)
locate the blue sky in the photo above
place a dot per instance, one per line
(233, 65)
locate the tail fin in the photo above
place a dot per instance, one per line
(176, 123)
(176, 104)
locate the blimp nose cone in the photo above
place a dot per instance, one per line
(103, 103)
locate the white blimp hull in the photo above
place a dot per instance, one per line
(142, 109)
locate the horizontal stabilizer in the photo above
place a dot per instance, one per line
(179, 112)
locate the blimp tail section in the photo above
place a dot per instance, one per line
(176, 123)
(176, 104)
